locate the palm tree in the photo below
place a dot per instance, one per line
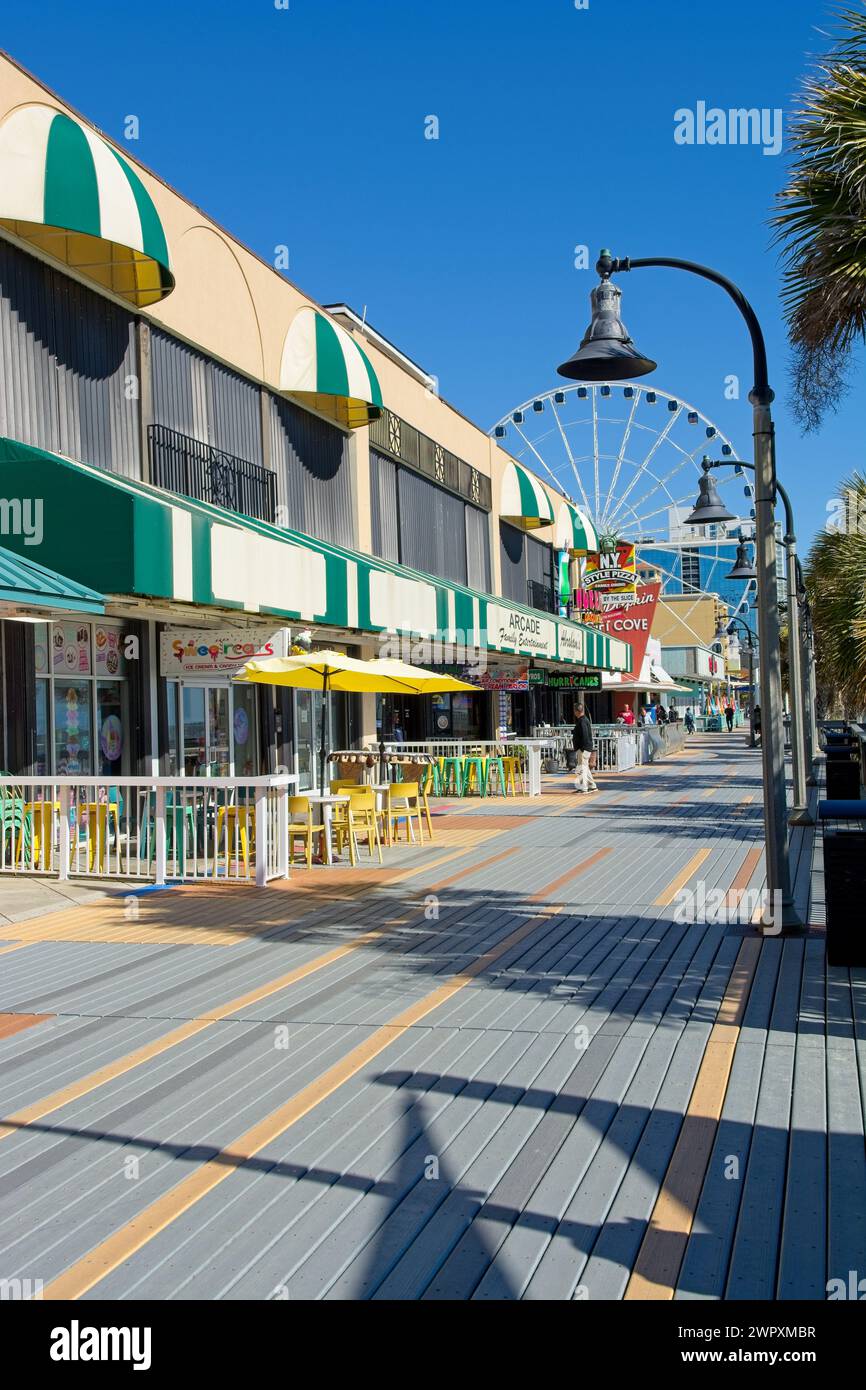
(822, 224)
(836, 583)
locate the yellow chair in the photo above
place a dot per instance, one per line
(240, 819)
(301, 824)
(341, 784)
(41, 815)
(425, 785)
(513, 771)
(99, 813)
(361, 816)
(405, 802)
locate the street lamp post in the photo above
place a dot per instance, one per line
(801, 759)
(608, 353)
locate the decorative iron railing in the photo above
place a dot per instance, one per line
(187, 466)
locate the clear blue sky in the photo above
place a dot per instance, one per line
(306, 127)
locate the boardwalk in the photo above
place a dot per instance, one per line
(499, 1067)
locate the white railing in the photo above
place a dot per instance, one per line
(196, 829)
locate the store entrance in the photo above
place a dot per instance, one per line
(212, 730)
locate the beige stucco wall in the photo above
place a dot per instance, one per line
(235, 307)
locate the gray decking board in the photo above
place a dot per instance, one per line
(537, 1183)
(704, 1268)
(606, 1273)
(297, 1171)
(549, 1264)
(428, 1245)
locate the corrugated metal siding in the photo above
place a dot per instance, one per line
(432, 527)
(383, 507)
(66, 355)
(478, 550)
(539, 562)
(513, 562)
(204, 399)
(314, 482)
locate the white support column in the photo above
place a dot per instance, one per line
(262, 835)
(159, 832)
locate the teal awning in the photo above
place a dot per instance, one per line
(25, 584)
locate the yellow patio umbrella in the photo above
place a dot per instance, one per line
(329, 670)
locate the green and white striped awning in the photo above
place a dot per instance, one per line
(523, 501)
(323, 365)
(574, 531)
(68, 193)
(131, 539)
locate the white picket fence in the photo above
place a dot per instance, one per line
(159, 829)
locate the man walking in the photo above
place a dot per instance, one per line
(729, 716)
(581, 739)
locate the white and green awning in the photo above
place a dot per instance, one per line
(131, 539)
(523, 501)
(324, 366)
(68, 193)
(574, 531)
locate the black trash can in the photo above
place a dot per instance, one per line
(843, 779)
(844, 888)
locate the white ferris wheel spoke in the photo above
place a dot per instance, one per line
(567, 446)
(595, 460)
(660, 439)
(619, 461)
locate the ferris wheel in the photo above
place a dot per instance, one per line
(629, 457)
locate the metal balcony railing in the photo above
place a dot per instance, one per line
(185, 465)
(541, 596)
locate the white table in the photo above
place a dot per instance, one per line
(327, 801)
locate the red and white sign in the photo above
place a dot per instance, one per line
(632, 622)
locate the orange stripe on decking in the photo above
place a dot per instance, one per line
(16, 1023)
(682, 878)
(657, 1266)
(76, 1089)
(551, 888)
(118, 1248)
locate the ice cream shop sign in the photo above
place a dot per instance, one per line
(207, 653)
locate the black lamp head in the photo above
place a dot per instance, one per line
(606, 353)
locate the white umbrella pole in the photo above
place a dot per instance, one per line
(325, 732)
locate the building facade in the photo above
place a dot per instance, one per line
(197, 461)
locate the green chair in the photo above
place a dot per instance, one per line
(496, 767)
(179, 823)
(475, 773)
(452, 776)
(13, 821)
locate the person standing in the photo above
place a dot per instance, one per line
(627, 715)
(661, 714)
(582, 743)
(689, 722)
(756, 722)
(729, 716)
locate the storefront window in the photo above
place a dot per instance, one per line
(194, 731)
(82, 700)
(244, 741)
(218, 722)
(111, 723)
(72, 723)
